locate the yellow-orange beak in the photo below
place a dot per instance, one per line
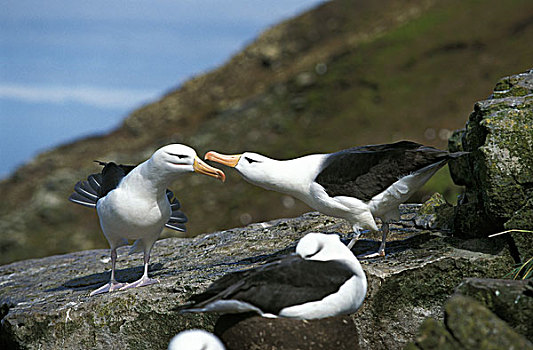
(202, 168)
(229, 160)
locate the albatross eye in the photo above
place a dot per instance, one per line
(250, 160)
(310, 255)
(307, 256)
(180, 156)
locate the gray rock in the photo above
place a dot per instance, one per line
(510, 300)
(468, 325)
(45, 303)
(498, 171)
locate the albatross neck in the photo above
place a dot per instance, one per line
(292, 176)
(149, 179)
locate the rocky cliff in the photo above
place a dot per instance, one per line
(498, 172)
(344, 74)
(45, 303)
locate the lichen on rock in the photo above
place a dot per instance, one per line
(498, 172)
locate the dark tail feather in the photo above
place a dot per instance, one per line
(176, 226)
(85, 189)
(87, 193)
(457, 154)
(95, 181)
(79, 199)
(174, 202)
(183, 308)
(177, 218)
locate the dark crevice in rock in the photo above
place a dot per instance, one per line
(513, 249)
(450, 331)
(227, 321)
(7, 338)
(4, 310)
(528, 291)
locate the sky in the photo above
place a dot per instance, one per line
(70, 69)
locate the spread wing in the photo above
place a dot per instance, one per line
(366, 171)
(87, 193)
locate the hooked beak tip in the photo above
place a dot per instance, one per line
(228, 160)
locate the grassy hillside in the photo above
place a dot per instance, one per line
(346, 73)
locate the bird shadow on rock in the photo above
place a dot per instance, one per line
(487, 245)
(365, 246)
(435, 240)
(96, 280)
(263, 258)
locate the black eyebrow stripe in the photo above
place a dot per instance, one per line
(250, 160)
(178, 155)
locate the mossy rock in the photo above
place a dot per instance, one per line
(477, 328)
(510, 300)
(498, 171)
(468, 325)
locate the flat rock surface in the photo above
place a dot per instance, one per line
(45, 303)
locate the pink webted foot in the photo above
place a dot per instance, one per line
(143, 281)
(372, 255)
(108, 287)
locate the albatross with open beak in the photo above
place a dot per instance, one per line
(357, 184)
(133, 202)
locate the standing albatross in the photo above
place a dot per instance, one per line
(357, 184)
(322, 279)
(133, 202)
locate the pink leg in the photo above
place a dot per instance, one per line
(144, 280)
(113, 284)
(355, 238)
(381, 250)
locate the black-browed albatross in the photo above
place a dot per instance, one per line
(357, 184)
(322, 279)
(133, 202)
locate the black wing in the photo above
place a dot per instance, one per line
(88, 192)
(274, 286)
(366, 171)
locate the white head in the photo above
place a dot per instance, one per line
(254, 167)
(323, 247)
(195, 339)
(175, 159)
(286, 176)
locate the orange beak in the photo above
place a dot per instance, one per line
(202, 168)
(229, 160)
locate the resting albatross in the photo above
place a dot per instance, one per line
(322, 279)
(357, 184)
(132, 202)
